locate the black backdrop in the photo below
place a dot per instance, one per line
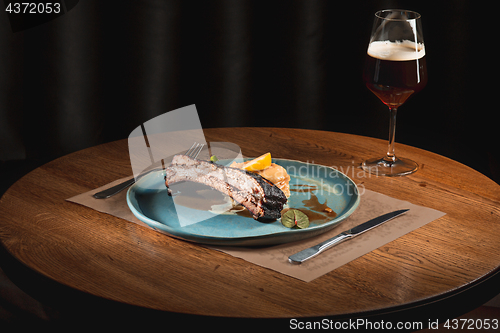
(97, 72)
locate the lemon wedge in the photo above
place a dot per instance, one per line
(259, 163)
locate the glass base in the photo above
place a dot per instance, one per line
(386, 167)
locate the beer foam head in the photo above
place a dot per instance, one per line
(396, 51)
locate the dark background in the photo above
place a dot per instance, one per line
(95, 73)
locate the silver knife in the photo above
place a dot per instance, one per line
(306, 254)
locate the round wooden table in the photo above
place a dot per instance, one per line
(111, 259)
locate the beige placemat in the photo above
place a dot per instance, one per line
(372, 204)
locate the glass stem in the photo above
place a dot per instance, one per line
(391, 156)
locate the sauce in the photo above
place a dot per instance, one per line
(316, 212)
(243, 213)
(202, 197)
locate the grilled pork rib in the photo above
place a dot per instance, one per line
(261, 197)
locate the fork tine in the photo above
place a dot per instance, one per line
(195, 150)
(191, 150)
(199, 151)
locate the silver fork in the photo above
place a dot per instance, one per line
(193, 152)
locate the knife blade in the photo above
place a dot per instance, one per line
(306, 254)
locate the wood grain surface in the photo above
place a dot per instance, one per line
(111, 258)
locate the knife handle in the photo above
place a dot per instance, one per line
(114, 190)
(306, 254)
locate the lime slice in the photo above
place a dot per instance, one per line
(295, 218)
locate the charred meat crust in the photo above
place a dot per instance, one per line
(261, 197)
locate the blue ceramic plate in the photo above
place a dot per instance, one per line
(313, 188)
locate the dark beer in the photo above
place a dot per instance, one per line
(395, 70)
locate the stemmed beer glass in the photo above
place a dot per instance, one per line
(395, 69)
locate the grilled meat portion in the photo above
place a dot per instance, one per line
(261, 197)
